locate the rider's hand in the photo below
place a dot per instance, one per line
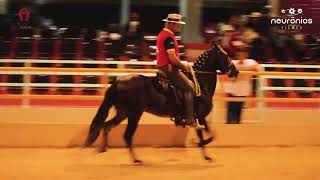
(187, 67)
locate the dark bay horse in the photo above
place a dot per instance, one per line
(134, 94)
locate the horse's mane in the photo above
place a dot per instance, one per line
(201, 61)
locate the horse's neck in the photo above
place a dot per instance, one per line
(208, 83)
(208, 80)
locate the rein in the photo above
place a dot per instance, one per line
(206, 72)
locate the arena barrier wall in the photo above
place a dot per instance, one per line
(67, 127)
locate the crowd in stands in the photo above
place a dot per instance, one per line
(270, 45)
(47, 41)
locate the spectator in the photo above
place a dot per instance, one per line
(228, 32)
(242, 86)
(133, 32)
(255, 22)
(210, 32)
(115, 38)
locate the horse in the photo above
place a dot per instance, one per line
(134, 94)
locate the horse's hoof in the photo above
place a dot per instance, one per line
(101, 150)
(85, 145)
(199, 126)
(137, 162)
(209, 159)
(207, 141)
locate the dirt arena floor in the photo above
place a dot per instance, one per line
(232, 163)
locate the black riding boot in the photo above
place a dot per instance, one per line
(190, 121)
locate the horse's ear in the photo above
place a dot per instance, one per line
(214, 44)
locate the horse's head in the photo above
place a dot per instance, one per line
(215, 58)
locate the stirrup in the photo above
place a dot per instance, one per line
(191, 124)
(178, 121)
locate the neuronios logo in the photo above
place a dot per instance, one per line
(292, 11)
(291, 19)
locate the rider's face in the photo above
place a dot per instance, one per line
(175, 27)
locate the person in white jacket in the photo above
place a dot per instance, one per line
(242, 86)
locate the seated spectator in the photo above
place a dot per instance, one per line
(210, 32)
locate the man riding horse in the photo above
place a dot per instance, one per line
(169, 63)
(135, 94)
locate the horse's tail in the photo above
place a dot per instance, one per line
(101, 115)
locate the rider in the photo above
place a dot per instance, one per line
(168, 62)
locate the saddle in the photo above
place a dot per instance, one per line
(175, 96)
(167, 88)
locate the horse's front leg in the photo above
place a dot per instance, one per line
(202, 141)
(203, 121)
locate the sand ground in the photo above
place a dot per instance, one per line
(232, 163)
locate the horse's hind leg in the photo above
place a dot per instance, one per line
(107, 128)
(133, 120)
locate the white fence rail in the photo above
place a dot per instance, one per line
(262, 74)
